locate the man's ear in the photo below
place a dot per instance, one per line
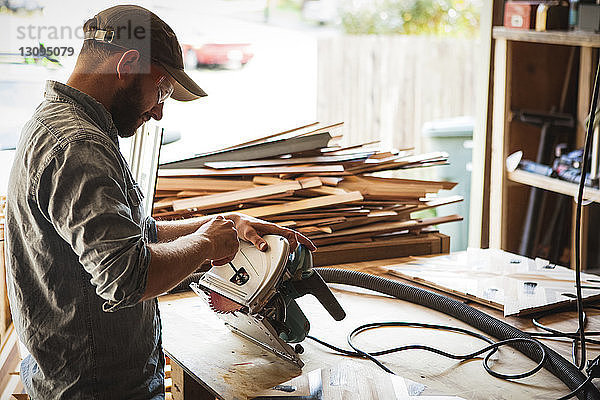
(128, 64)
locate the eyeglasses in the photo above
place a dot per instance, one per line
(165, 89)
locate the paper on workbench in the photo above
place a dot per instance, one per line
(348, 380)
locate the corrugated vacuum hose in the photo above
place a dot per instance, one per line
(568, 373)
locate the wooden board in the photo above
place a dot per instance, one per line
(320, 214)
(302, 204)
(287, 161)
(344, 150)
(400, 162)
(322, 221)
(514, 284)
(408, 245)
(239, 196)
(265, 138)
(256, 151)
(373, 187)
(372, 217)
(432, 204)
(380, 228)
(318, 169)
(209, 184)
(325, 128)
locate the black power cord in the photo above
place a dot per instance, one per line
(574, 336)
(490, 350)
(593, 369)
(584, 168)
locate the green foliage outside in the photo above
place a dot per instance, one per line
(289, 5)
(412, 17)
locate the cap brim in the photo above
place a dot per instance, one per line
(185, 89)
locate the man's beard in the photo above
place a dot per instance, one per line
(126, 108)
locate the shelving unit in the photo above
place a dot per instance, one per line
(570, 38)
(528, 73)
(552, 185)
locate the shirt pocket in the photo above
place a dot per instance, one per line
(135, 198)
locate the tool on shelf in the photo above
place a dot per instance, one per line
(548, 122)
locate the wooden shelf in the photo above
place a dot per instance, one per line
(567, 38)
(552, 184)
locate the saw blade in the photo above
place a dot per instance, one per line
(221, 304)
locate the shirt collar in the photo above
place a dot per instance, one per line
(56, 91)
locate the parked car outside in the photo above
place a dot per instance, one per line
(217, 55)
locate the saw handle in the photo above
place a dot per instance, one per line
(316, 286)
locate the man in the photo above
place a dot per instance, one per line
(84, 263)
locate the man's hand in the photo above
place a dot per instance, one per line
(216, 239)
(252, 229)
(222, 237)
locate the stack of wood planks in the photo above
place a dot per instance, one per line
(302, 180)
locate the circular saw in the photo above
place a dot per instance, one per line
(255, 295)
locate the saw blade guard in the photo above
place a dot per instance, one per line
(250, 279)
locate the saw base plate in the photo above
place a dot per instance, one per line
(256, 329)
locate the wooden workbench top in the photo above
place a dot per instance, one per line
(233, 368)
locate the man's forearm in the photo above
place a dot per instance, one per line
(173, 261)
(171, 230)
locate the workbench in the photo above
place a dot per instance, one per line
(209, 361)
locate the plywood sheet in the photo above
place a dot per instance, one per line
(515, 284)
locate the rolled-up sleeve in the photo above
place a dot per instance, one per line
(85, 196)
(150, 230)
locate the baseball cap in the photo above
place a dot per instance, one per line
(134, 27)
